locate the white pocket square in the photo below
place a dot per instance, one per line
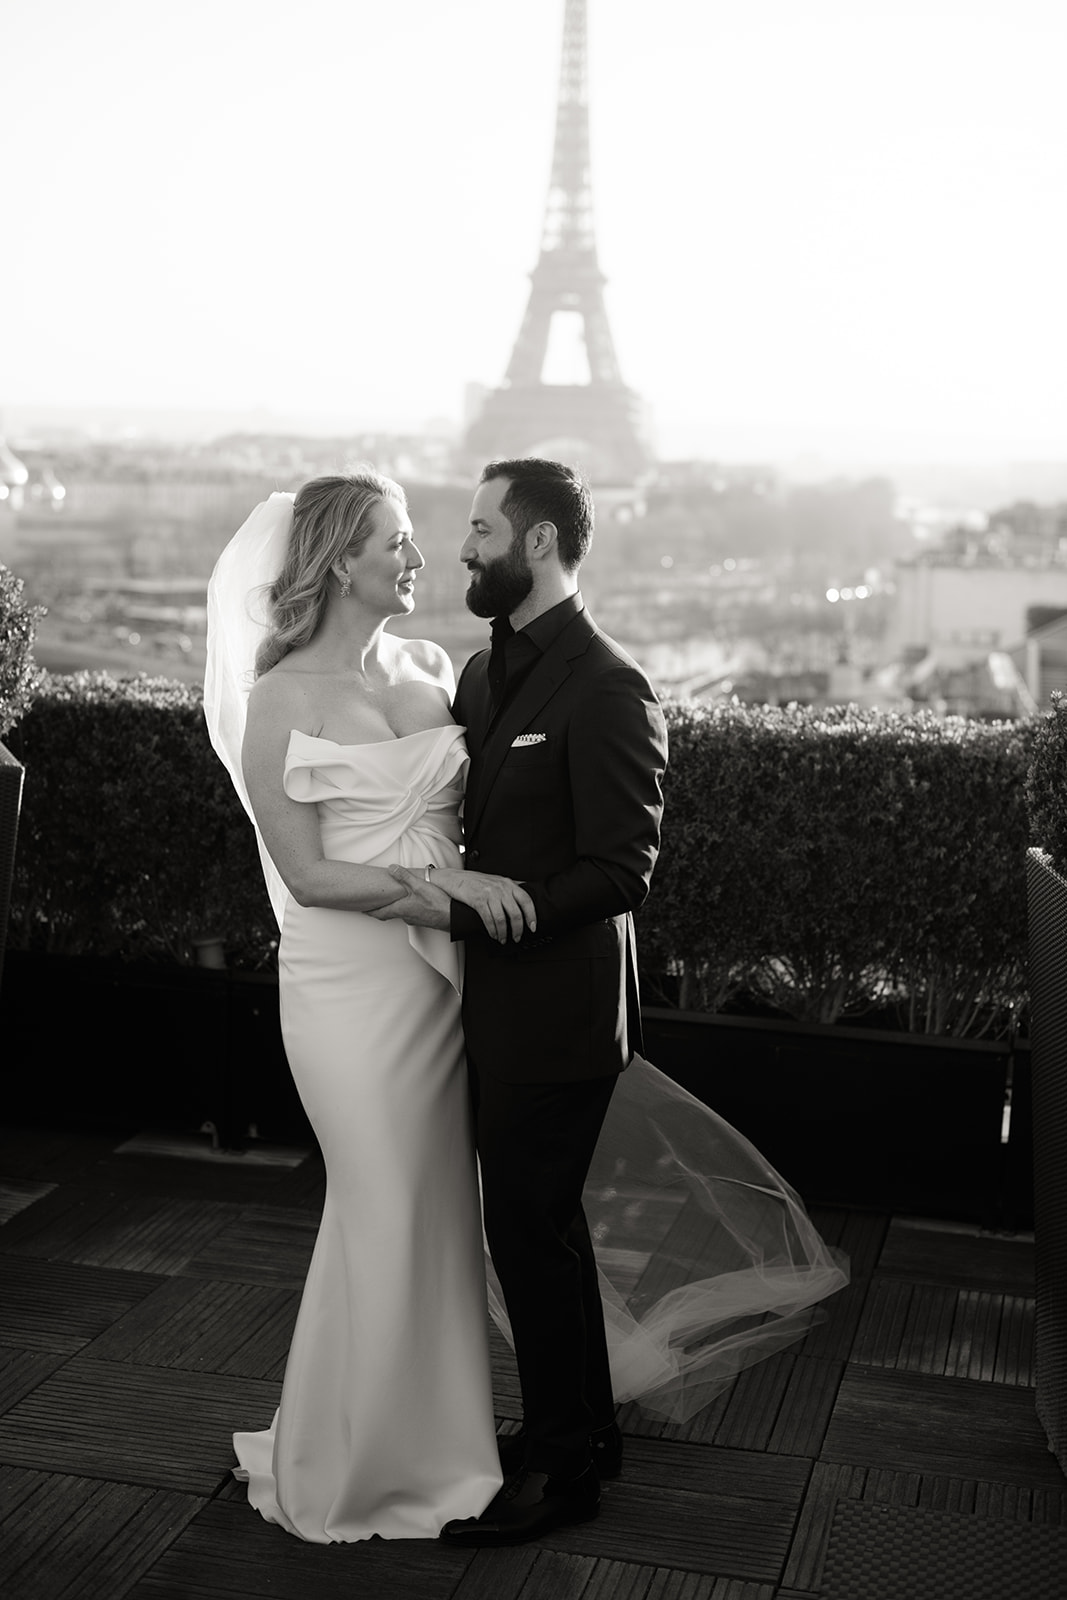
(528, 738)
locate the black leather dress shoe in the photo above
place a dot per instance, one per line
(529, 1504)
(605, 1443)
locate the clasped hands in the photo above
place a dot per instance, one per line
(503, 905)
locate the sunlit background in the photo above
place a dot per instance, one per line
(246, 242)
(835, 226)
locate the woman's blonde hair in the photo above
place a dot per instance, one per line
(330, 515)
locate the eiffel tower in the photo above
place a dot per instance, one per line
(596, 424)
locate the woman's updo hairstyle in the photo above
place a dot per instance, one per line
(330, 515)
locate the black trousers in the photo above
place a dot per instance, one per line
(535, 1144)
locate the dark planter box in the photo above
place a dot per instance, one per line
(854, 1116)
(1047, 918)
(859, 1116)
(94, 1043)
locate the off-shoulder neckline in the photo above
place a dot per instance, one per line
(369, 744)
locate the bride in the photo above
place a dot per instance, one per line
(340, 742)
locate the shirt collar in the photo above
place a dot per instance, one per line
(546, 628)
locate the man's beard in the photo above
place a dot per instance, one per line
(499, 587)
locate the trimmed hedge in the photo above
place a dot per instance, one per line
(132, 841)
(1046, 784)
(19, 677)
(822, 862)
(828, 861)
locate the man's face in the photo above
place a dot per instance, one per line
(501, 575)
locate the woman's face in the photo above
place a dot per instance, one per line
(383, 573)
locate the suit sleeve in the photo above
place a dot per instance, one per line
(616, 752)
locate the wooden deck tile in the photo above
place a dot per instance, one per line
(261, 1245)
(21, 1371)
(154, 1426)
(732, 1589)
(1049, 1505)
(228, 1550)
(701, 1429)
(18, 1193)
(73, 1538)
(827, 1486)
(721, 1533)
(836, 1321)
(53, 1305)
(673, 1585)
(557, 1577)
(966, 1333)
(493, 1574)
(618, 1580)
(905, 1326)
(961, 1258)
(108, 1228)
(239, 1329)
(998, 1501)
(860, 1234)
(724, 1512)
(807, 1405)
(992, 1338)
(909, 1422)
(754, 1404)
(666, 1585)
(1015, 1342)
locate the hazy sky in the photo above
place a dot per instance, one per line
(817, 216)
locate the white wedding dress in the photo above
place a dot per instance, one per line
(386, 1418)
(708, 1260)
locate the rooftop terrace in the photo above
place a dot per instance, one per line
(148, 1300)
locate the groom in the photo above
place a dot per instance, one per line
(567, 749)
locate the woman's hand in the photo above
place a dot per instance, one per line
(503, 905)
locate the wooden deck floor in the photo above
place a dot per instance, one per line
(146, 1302)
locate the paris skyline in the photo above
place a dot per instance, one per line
(829, 227)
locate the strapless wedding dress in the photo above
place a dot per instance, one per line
(386, 1418)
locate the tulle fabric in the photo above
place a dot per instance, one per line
(708, 1261)
(237, 596)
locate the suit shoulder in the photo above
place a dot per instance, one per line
(478, 662)
(608, 655)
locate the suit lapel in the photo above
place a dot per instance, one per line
(545, 678)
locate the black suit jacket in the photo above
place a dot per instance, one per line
(573, 812)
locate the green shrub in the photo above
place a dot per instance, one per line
(19, 678)
(1046, 784)
(822, 862)
(132, 841)
(828, 860)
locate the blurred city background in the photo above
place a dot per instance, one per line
(786, 281)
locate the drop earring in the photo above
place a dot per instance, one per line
(346, 587)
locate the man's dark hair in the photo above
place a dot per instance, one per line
(547, 491)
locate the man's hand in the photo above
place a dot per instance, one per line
(503, 905)
(424, 905)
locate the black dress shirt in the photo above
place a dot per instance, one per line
(514, 653)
